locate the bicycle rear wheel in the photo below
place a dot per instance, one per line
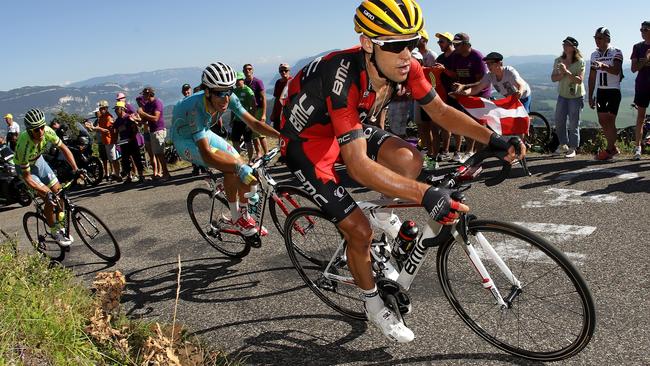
(539, 131)
(211, 217)
(95, 234)
(550, 317)
(321, 261)
(38, 234)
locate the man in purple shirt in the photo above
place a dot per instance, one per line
(152, 112)
(260, 107)
(466, 66)
(641, 64)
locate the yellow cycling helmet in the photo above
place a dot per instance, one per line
(376, 18)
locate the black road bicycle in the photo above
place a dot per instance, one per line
(509, 285)
(91, 229)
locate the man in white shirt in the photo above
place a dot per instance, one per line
(13, 130)
(605, 79)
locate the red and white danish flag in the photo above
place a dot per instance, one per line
(505, 116)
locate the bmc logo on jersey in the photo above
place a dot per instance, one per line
(300, 114)
(339, 78)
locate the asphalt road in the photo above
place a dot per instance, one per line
(258, 307)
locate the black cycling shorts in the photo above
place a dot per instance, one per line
(239, 130)
(608, 101)
(642, 98)
(315, 170)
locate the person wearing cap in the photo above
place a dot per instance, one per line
(259, 141)
(121, 97)
(239, 128)
(467, 67)
(641, 64)
(280, 84)
(605, 78)
(13, 130)
(152, 113)
(126, 128)
(105, 126)
(186, 90)
(428, 56)
(569, 73)
(444, 61)
(505, 79)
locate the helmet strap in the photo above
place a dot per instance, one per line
(374, 62)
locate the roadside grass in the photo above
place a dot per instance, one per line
(48, 318)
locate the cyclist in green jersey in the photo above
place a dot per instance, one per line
(35, 171)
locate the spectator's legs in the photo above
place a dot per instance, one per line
(640, 119)
(608, 123)
(561, 113)
(575, 106)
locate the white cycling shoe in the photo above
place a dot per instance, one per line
(391, 326)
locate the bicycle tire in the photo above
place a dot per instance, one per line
(88, 226)
(95, 171)
(343, 297)
(521, 250)
(232, 245)
(539, 130)
(37, 233)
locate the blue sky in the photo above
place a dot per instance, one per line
(54, 42)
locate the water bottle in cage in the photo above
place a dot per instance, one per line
(254, 202)
(405, 240)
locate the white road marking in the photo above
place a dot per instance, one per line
(566, 197)
(619, 173)
(555, 233)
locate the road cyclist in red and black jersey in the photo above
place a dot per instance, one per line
(324, 119)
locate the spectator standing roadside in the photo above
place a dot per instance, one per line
(239, 128)
(152, 113)
(127, 129)
(428, 56)
(280, 84)
(121, 97)
(466, 67)
(13, 130)
(105, 126)
(257, 86)
(186, 90)
(641, 64)
(444, 61)
(605, 81)
(569, 71)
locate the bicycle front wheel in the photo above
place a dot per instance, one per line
(285, 200)
(551, 314)
(211, 217)
(95, 234)
(539, 131)
(38, 234)
(321, 261)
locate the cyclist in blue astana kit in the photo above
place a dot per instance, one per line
(36, 173)
(191, 135)
(329, 103)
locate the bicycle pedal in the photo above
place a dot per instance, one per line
(254, 241)
(388, 287)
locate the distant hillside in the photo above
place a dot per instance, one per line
(168, 78)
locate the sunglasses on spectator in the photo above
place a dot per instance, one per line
(644, 29)
(396, 45)
(248, 68)
(221, 93)
(284, 70)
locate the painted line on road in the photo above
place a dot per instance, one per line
(567, 197)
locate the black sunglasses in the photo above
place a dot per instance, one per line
(397, 45)
(644, 29)
(222, 93)
(283, 70)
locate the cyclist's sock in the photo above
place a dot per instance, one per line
(374, 302)
(243, 210)
(234, 211)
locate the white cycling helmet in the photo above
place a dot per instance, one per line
(218, 75)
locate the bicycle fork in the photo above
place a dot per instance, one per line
(487, 281)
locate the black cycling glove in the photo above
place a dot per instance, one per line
(497, 142)
(439, 205)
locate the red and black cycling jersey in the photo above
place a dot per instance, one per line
(331, 97)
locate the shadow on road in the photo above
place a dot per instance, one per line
(204, 280)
